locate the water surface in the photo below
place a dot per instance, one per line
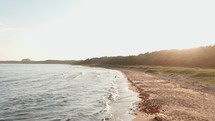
(63, 93)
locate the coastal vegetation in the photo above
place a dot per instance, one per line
(203, 57)
(197, 63)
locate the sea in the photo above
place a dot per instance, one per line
(54, 92)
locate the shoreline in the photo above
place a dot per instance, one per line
(139, 115)
(163, 99)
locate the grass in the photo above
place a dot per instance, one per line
(198, 75)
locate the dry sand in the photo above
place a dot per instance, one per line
(166, 100)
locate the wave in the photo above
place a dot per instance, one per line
(107, 101)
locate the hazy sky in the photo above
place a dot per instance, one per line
(79, 29)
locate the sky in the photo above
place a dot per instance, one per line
(80, 29)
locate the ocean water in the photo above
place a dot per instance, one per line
(49, 92)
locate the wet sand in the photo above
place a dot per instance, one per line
(165, 100)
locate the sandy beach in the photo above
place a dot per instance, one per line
(164, 99)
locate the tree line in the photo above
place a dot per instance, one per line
(195, 57)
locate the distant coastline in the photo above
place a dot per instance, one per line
(201, 57)
(39, 62)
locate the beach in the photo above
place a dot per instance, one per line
(164, 98)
